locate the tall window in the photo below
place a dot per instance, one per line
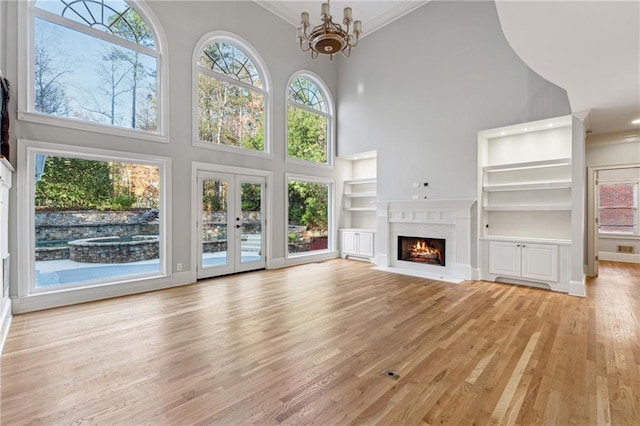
(309, 121)
(231, 96)
(95, 61)
(618, 207)
(309, 218)
(95, 218)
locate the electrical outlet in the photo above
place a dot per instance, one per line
(415, 197)
(416, 185)
(179, 267)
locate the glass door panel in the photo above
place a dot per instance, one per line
(251, 223)
(214, 217)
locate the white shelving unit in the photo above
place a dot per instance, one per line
(524, 213)
(357, 237)
(359, 195)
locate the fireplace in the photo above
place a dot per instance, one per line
(430, 251)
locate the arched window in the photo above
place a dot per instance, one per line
(231, 94)
(309, 120)
(95, 61)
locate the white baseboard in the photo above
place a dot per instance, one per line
(619, 257)
(475, 274)
(5, 323)
(277, 263)
(577, 288)
(38, 302)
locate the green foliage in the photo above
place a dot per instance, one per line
(122, 202)
(214, 195)
(307, 137)
(251, 197)
(73, 183)
(78, 184)
(309, 205)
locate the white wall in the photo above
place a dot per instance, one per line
(613, 151)
(184, 23)
(419, 90)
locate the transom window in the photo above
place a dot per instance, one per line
(309, 121)
(95, 61)
(231, 97)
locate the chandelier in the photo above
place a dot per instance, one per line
(329, 38)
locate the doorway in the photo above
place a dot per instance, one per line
(230, 223)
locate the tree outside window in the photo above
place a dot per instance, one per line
(308, 122)
(308, 215)
(80, 74)
(231, 98)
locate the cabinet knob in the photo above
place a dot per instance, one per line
(517, 245)
(523, 245)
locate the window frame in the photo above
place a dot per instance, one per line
(636, 216)
(331, 228)
(330, 116)
(27, 149)
(28, 12)
(233, 39)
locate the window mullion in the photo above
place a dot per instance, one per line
(59, 20)
(309, 109)
(233, 81)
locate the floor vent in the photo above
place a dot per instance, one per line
(625, 249)
(391, 374)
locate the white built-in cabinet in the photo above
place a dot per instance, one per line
(6, 172)
(357, 242)
(357, 236)
(525, 202)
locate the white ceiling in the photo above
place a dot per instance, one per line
(591, 48)
(374, 14)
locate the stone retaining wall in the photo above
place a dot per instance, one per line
(114, 250)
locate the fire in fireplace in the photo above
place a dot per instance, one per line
(430, 251)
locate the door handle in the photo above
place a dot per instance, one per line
(238, 226)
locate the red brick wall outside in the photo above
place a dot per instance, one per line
(617, 207)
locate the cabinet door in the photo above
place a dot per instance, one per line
(349, 242)
(365, 243)
(504, 258)
(540, 262)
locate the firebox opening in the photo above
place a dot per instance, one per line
(429, 251)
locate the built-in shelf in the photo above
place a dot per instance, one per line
(525, 204)
(360, 209)
(532, 240)
(528, 186)
(360, 181)
(529, 165)
(528, 207)
(361, 195)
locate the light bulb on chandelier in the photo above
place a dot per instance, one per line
(329, 38)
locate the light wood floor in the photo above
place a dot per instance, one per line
(309, 344)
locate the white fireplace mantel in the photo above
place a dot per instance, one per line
(445, 218)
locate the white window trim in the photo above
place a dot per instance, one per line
(636, 231)
(231, 38)
(26, 260)
(26, 16)
(332, 231)
(331, 134)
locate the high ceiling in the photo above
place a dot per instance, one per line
(590, 48)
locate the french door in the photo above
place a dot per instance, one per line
(230, 223)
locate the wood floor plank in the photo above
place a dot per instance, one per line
(309, 344)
